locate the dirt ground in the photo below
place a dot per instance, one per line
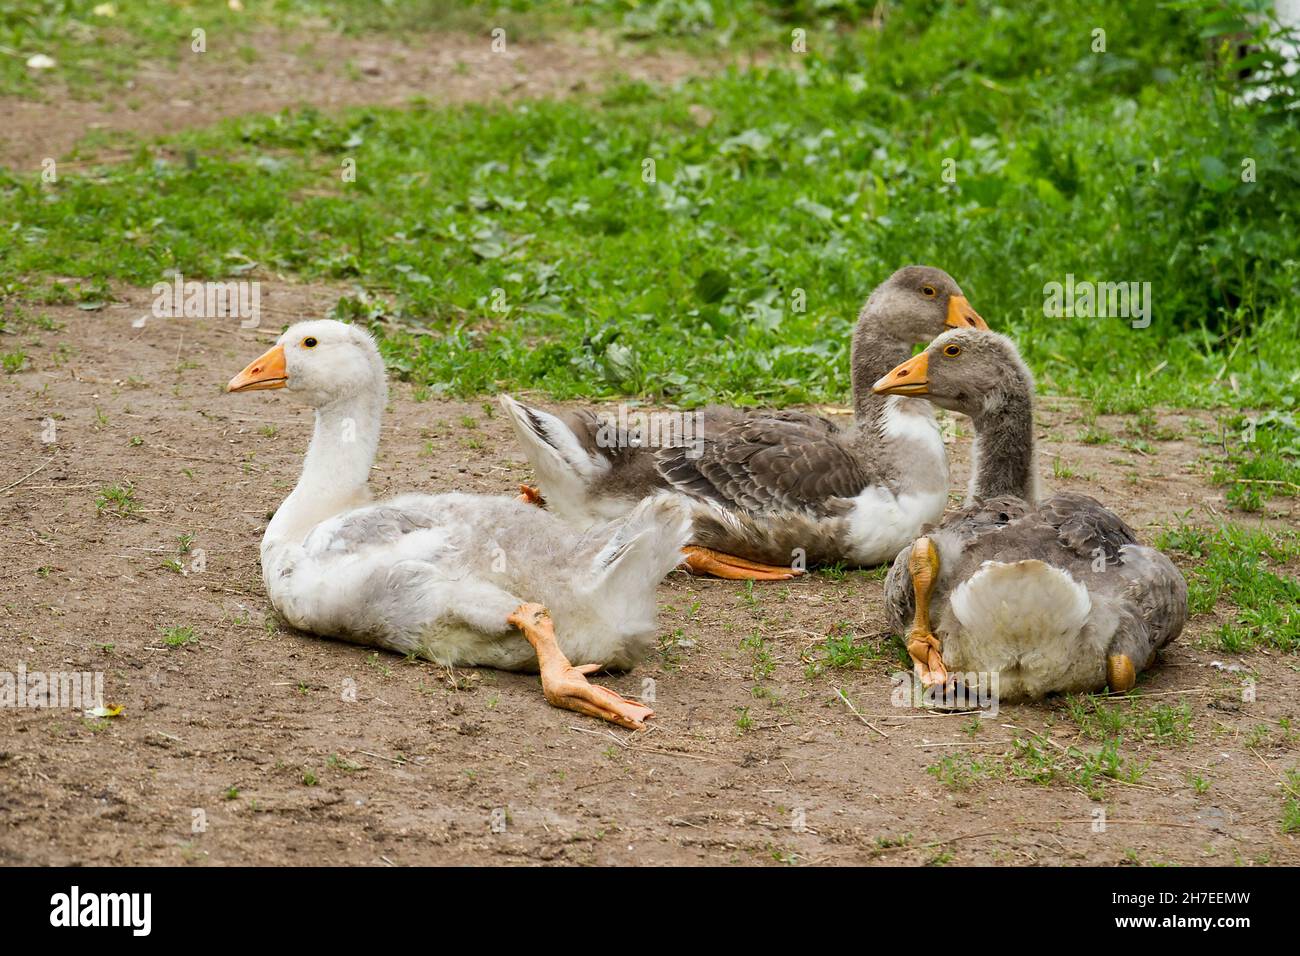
(246, 731)
(319, 69)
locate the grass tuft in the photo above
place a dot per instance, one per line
(1250, 571)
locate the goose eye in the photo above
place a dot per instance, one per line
(309, 342)
(928, 291)
(952, 350)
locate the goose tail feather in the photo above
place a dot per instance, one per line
(644, 547)
(1029, 601)
(561, 460)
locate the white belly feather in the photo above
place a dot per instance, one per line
(1028, 622)
(881, 523)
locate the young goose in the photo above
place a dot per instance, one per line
(1052, 596)
(455, 578)
(769, 487)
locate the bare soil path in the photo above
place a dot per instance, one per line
(325, 70)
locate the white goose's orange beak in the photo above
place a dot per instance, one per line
(910, 378)
(265, 371)
(962, 316)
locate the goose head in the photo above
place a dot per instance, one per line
(916, 304)
(972, 371)
(321, 362)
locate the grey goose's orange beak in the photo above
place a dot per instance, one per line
(907, 379)
(265, 371)
(962, 316)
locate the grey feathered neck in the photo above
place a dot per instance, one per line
(873, 356)
(1004, 454)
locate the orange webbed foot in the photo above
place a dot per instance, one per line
(531, 495)
(567, 686)
(706, 561)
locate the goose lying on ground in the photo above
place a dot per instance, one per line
(1052, 596)
(458, 579)
(770, 487)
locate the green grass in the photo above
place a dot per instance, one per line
(961, 771)
(762, 663)
(744, 722)
(839, 651)
(97, 46)
(179, 636)
(1250, 571)
(335, 762)
(1291, 805)
(527, 240)
(13, 361)
(1104, 718)
(118, 499)
(807, 188)
(1262, 458)
(1094, 769)
(1087, 770)
(93, 49)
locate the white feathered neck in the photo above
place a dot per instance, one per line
(336, 472)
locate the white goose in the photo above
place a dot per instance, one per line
(455, 578)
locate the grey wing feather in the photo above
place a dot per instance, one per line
(986, 517)
(774, 462)
(814, 422)
(900, 600)
(586, 426)
(1157, 592)
(1085, 526)
(632, 473)
(376, 525)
